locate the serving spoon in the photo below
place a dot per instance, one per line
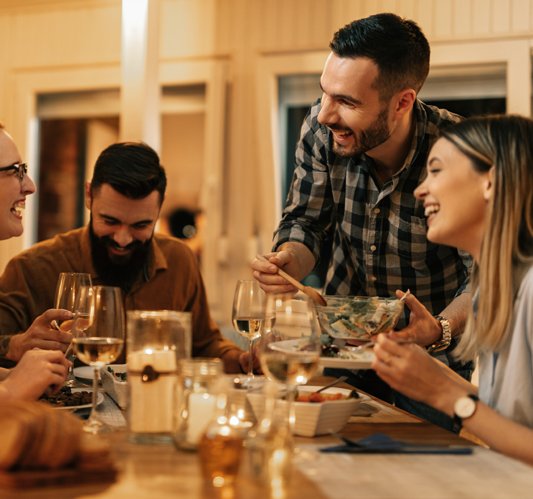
(317, 298)
(333, 383)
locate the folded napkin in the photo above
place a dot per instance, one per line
(383, 444)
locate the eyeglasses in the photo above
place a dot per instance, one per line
(20, 169)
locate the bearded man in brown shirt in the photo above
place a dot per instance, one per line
(118, 248)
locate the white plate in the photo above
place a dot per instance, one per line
(84, 373)
(290, 346)
(355, 359)
(99, 400)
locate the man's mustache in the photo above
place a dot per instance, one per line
(132, 246)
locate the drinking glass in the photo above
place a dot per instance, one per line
(99, 329)
(289, 350)
(66, 297)
(248, 314)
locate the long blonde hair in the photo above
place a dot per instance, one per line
(505, 144)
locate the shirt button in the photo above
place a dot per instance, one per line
(373, 247)
(376, 211)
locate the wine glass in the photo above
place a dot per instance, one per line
(66, 297)
(248, 315)
(99, 329)
(289, 351)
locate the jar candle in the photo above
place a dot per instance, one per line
(156, 341)
(195, 399)
(152, 378)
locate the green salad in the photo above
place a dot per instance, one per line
(359, 317)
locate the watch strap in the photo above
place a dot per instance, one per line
(446, 337)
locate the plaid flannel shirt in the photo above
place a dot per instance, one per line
(377, 232)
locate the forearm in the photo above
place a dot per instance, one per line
(14, 350)
(457, 313)
(498, 432)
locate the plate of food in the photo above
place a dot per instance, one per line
(358, 317)
(342, 357)
(347, 357)
(71, 399)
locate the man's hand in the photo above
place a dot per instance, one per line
(41, 335)
(266, 272)
(244, 361)
(36, 371)
(423, 328)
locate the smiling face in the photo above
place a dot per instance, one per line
(455, 198)
(121, 224)
(351, 106)
(13, 192)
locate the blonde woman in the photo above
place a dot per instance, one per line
(478, 197)
(37, 369)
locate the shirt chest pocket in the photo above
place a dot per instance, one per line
(409, 238)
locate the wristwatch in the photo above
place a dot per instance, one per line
(446, 338)
(464, 408)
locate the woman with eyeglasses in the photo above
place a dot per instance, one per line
(38, 369)
(478, 197)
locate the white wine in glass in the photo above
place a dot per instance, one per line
(248, 314)
(289, 350)
(99, 330)
(66, 297)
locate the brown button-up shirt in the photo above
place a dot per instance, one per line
(171, 280)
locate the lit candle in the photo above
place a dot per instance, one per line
(201, 407)
(152, 380)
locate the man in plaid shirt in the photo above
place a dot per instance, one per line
(362, 151)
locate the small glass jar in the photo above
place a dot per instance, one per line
(196, 396)
(221, 446)
(270, 446)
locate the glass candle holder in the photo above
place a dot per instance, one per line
(157, 341)
(196, 396)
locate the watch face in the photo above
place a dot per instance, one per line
(464, 407)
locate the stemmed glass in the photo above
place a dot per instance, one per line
(66, 297)
(289, 351)
(99, 329)
(248, 314)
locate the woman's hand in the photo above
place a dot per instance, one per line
(36, 371)
(409, 369)
(423, 328)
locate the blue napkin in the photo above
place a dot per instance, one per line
(383, 444)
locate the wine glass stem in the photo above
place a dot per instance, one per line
(96, 379)
(251, 359)
(291, 392)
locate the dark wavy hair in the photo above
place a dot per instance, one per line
(131, 168)
(397, 46)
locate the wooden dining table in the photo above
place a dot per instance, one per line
(162, 471)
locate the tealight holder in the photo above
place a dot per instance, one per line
(196, 396)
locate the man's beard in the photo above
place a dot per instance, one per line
(121, 271)
(375, 135)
